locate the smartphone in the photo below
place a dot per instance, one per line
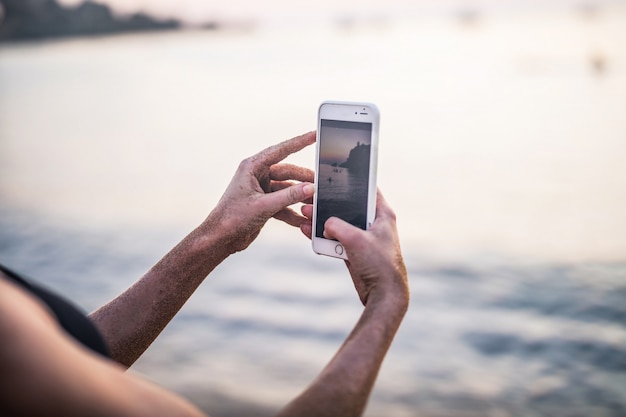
(345, 175)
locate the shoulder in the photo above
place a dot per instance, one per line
(20, 313)
(39, 361)
(25, 327)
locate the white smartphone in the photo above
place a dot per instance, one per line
(345, 176)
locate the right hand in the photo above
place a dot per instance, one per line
(375, 259)
(260, 189)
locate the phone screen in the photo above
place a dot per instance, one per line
(343, 172)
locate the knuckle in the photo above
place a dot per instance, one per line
(246, 163)
(277, 172)
(295, 194)
(390, 214)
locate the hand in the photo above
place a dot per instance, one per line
(379, 275)
(260, 189)
(375, 259)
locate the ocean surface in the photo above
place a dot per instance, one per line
(502, 149)
(343, 194)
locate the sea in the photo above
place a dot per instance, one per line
(502, 149)
(343, 194)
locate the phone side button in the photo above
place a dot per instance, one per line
(339, 249)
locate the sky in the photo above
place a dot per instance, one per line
(198, 11)
(337, 143)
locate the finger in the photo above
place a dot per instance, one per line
(278, 200)
(282, 172)
(276, 153)
(307, 210)
(307, 229)
(280, 185)
(290, 217)
(344, 232)
(383, 209)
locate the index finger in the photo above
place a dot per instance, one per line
(383, 209)
(278, 152)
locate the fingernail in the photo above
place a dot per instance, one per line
(309, 189)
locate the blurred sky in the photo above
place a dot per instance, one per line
(281, 11)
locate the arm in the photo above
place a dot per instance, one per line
(380, 278)
(259, 190)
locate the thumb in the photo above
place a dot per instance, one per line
(278, 200)
(344, 232)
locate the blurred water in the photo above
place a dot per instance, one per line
(501, 150)
(497, 135)
(487, 336)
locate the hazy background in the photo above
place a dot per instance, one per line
(503, 141)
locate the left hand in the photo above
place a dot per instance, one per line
(261, 188)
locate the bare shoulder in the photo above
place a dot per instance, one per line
(45, 372)
(20, 314)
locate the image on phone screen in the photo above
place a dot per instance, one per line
(343, 172)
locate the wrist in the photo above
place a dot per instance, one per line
(212, 237)
(386, 310)
(228, 231)
(393, 297)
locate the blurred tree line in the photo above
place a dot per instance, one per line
(38, 19)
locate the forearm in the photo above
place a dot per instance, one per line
(131, 321)
(343, 387)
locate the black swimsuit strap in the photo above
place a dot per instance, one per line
(71, 318)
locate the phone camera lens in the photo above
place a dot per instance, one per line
(354, 112)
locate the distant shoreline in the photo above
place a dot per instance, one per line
(34, 20)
